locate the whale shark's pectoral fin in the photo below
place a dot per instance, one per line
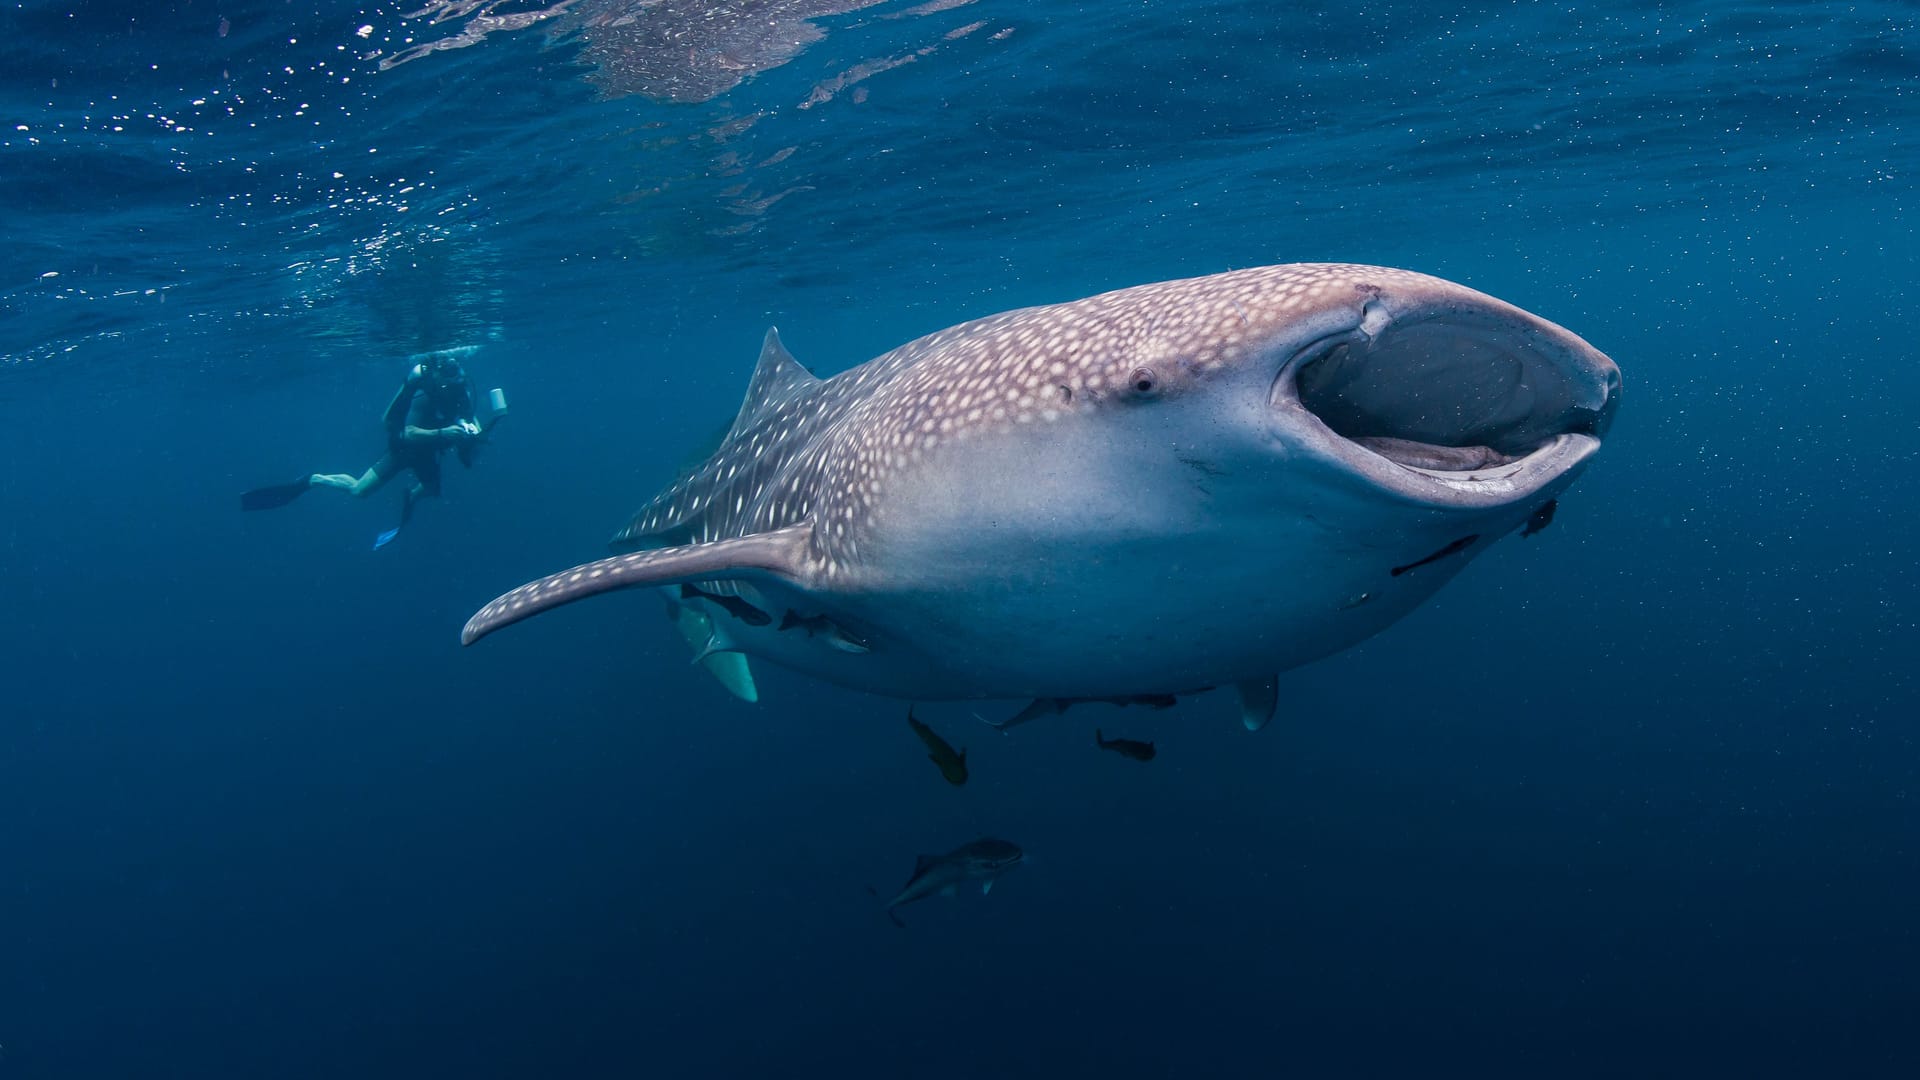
(1258, 700)
(780, 555)
(986, 887)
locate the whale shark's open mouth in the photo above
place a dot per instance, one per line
(1458, 398)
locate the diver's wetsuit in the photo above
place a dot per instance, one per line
(424, 405)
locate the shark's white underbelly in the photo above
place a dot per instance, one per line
(988, 619)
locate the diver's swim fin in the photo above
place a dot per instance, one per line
(406, 515)
(276, 495)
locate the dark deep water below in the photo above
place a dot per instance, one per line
(1637, 794)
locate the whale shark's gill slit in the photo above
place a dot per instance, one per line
(1451, 393)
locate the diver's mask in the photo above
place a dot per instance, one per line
(442, 374)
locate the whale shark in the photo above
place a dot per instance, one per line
(1132, 497)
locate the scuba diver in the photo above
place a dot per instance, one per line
(432, 412)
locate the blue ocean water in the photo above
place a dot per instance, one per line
(1638, 793)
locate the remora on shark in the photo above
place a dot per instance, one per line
(1149, 492)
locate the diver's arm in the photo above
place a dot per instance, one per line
(396, 415)
(452, 433)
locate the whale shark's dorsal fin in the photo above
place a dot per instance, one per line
(780, 555)
(777, 379)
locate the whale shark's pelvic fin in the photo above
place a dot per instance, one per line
(1258, 700)
(715, 645)
(713, 650)
(732, 672)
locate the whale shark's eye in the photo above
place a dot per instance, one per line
(1143, 381)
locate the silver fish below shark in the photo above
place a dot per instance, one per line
(983, 860)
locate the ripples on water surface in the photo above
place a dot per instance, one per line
(188, 167)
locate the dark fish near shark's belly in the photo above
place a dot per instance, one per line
(1132, 748)
(1541, 518)
(952, 763)
(732, 605)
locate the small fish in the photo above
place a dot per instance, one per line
(953, 765)
(732, 605)
(1454, 548)
(1040, 707)
(1541, 518)
(1133, 748)
(825, 629)
(983, 860)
